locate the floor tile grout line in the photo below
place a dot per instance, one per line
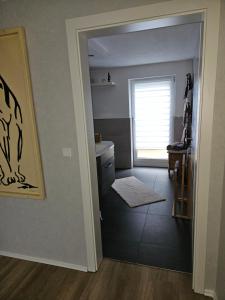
(156, 214)
(128, 212)
(142, 233)
(149, 208)
(159, 245)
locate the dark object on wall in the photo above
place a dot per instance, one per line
(187, 117)
(189, 85)
(109, 77)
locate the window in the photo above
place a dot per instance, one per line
(152, 117)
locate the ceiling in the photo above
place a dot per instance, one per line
(145, 47)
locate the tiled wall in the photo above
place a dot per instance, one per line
(118, 131)
(177, 128)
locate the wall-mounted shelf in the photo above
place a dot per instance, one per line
(111, 83)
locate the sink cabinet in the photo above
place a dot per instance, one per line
(106, 170)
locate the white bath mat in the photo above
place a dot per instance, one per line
(135, 192)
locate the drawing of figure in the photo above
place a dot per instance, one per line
(11, 136)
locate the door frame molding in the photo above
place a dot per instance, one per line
(78, 30)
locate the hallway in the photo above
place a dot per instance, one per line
(147, 234)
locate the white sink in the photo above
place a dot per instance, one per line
(103, 146)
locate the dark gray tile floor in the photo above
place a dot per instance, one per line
(146, 234)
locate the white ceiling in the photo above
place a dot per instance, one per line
(145, 47)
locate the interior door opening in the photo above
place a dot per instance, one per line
(137, 112)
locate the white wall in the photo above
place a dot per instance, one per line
(53, 228)
(113, 102)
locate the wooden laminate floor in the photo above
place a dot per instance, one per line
(23, 280)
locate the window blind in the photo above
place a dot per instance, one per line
(152, 105)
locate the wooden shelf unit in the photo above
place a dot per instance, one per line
(182, 206)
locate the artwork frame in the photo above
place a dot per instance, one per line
(21, 173)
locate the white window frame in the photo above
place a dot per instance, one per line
(131, 83)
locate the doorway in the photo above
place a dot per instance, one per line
(143, 231)
(81, 91)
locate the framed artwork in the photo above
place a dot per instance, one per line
(20, 163)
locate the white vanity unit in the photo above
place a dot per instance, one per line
(105, 165)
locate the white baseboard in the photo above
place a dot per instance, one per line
(44, 261)
(210, 293)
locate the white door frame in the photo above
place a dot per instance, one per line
(78, 30)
